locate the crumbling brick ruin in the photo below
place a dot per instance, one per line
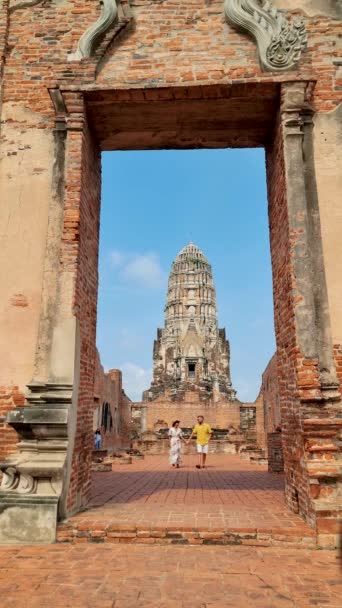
(138, 75)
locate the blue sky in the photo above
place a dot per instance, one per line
(153, 203)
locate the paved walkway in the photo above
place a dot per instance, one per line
(227, 480)
(148, 502)
(117, 576)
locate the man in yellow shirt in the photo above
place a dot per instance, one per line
(203, 432)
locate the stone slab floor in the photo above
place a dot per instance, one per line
(132, 576)
(229, 496)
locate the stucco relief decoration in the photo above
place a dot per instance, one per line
(280, 43)
(89, 40)
(23, 483)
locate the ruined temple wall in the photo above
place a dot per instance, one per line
(166, 44)
(220, 415)
(270, 393)
(178, 43)
(289, 356)
(80, 250)
(217, 415)
(272, 416)
(108, 389)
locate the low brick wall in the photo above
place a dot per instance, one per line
(162, 446)
(112, 407)
(247, 418)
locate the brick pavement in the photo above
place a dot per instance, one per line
(227, 480)
(117, 576)
(230, 502)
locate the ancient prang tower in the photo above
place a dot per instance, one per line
(191, 352)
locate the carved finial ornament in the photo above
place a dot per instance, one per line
(280, 43)
(88, 41)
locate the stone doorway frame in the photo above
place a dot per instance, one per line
(51, 471)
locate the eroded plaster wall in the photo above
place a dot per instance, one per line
(328, 163)
(27, 153)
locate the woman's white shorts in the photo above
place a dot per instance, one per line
(202, 449)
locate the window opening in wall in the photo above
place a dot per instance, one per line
(106, 419)
(191, 370)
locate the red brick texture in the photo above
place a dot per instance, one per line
(275, 452)
(172, 43)
(108, 392)
(105, 575)
(10, 397)
(80, 256)
(270, 394)
(288, 354)
(230, 502)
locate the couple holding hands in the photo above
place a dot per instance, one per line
(201, 430)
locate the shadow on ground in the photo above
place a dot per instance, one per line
(213, 483)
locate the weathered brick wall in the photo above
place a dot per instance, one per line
(275, 453)
(248, 422)
(80, 256)
(220, 415)
(9, 398)
(270, 393)
(168, 43)
(108, 390)
(289, 358)
(272, 416)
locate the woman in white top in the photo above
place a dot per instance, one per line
(176, 438)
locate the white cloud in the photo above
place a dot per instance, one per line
(135, 380)
(145, 270)
(116, 257)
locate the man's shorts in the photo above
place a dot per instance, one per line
(202, 449)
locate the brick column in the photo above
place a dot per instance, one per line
(51, 470)
(309, 390)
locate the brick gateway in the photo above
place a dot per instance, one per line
(153, 74)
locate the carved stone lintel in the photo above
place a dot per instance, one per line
(88, 41)
(279, 44)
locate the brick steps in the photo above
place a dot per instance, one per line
(95, 532)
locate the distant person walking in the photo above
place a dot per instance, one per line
(203, 432)
(97, 439)
(176, 438)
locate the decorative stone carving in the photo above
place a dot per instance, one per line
(23, 483)
(88, 41)
(9, 479)
(32, 480)
(27, 484)
(280, 44)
